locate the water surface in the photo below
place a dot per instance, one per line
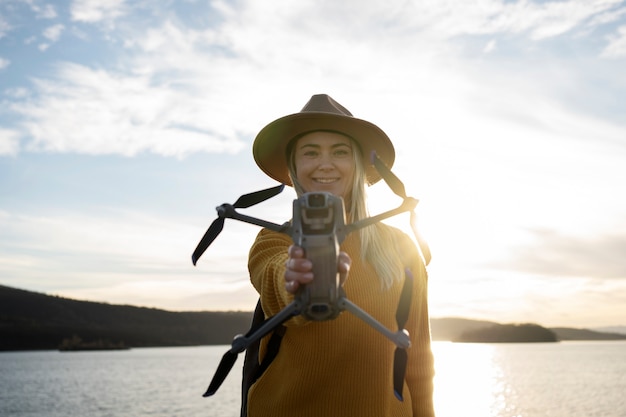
(567, 379)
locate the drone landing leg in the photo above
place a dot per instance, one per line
(400, 338)
(241, 343)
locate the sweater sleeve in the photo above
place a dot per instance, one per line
(266, 265)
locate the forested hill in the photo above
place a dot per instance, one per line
(30, 320)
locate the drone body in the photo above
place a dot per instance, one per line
(318, 225)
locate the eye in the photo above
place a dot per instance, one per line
(342, 152)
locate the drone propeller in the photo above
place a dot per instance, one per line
(226, 210)
(398, 188)
(208, 238)
(400, 357)
(250, 199)
(223, 369)
(230, 357)
(390, 178)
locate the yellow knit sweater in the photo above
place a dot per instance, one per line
(342, 367)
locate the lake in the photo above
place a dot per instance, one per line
(567, 379)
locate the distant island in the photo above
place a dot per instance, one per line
(35, 321)
(509, 333)
(31, 321)
(75, 343)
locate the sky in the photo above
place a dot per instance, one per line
(123, 124)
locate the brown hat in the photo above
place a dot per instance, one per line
(320, 113)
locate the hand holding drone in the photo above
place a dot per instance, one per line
(318, 226)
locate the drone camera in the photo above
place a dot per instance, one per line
(317, 200)
(317, 215)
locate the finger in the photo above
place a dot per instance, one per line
(343, 262)
(291, 286)
(342, 277)
(301, 277)
(343, 266)
(295, 252)
(299, 265)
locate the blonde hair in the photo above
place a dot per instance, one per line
(378, 246)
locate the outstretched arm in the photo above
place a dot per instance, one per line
(299, 270)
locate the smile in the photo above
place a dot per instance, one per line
(325, 180)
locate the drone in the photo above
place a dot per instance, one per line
(318, 226)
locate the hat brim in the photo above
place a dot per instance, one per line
(270, 146)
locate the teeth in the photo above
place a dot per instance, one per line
(325, 180)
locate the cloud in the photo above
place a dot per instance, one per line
(120, 114)
(449, 18)
(4, 63)
(549, 19)
(17, 92)
(616, 47)
(92, 11)
(47, 11)
(9, 10)
(556, 254)
(4, 27)
(53, 33)
(105, 241)
(9, 142)
(176, 90)
(609, 16)
(490, 46)
(124, 257)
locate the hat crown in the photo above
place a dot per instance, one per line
(325, 104)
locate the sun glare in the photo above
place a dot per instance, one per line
(467, 380)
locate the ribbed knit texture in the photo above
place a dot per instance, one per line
(342, 367)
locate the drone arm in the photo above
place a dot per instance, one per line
(233, 214)
(241, 343)
(408, 204)
(400, 338)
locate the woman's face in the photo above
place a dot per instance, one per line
(324, 161)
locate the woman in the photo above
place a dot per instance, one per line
(340, 367)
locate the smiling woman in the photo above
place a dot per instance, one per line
(321, 151)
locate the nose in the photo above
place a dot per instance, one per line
(326, 162)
